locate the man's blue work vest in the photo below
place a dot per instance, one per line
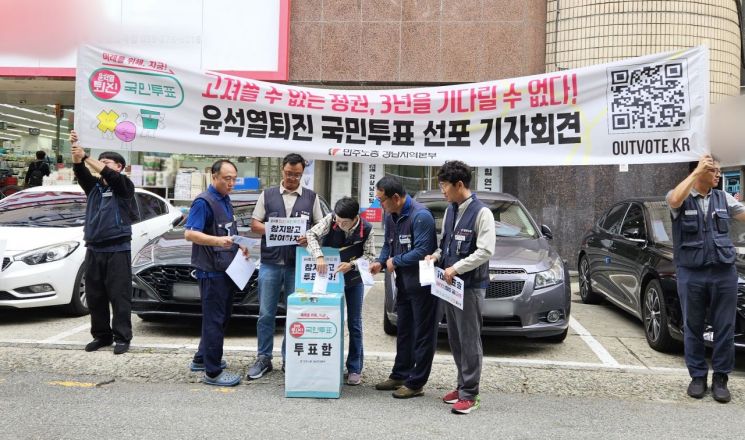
(350, 248)
(457, 244)
(215, 258)
(274, 206)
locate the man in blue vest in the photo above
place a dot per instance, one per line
(109, 214)
(409, 237)
(467, 244)
(277, 269)
(210, 228)
(345, 230)
(704, 257)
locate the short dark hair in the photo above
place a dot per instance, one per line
(293, 159)
(112, 155)
(454, 171)
(217, 166)
(346, 207)
(390, 186)
(40, 155)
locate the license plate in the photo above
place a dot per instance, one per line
(188, 292)
(503, 309)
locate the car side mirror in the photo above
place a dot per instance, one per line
(545, 230)
(177, 221)
(633, 234)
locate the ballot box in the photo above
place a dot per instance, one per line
(314, 356)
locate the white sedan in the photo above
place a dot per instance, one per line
(42, 247)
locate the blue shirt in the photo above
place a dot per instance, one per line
(423, 227)
(200, 215)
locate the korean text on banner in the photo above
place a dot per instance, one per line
(651, 109)
(452, 293)
(306, 274)
(283, 231)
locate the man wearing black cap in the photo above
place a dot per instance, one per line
(109, 215)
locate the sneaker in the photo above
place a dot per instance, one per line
(121, 347)
(98, 343)
(199, 366)
(407, 393)
(465, 406)
(451, 397)
(697, 387)
(389, 385)
(354, 379)
(719, 390)
(262, 366)
(224, 379)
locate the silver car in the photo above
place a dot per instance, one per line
(529, 293)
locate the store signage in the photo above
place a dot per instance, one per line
(651, 109)
(244, 38)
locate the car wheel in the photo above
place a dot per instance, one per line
(585, 290)
(79, 302)
(557, 339)
(655, 317)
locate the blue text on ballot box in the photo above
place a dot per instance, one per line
(315, 330)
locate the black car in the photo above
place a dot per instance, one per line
(164, 281)
(529, 292)
(627, 259)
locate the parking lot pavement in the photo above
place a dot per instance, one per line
(601, 337)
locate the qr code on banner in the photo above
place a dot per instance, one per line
(648, 98)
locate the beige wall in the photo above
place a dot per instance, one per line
(599, 31)
(413, 41)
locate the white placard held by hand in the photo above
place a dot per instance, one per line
(426, 272)
(283, 231)
(452, 293)
(320, 283)
(241, 269)
(364, 267)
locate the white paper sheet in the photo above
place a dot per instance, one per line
(241, 269)
(320, 283)
(426, 272)
(364, 267)
(394, 289)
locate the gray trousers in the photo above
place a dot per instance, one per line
(464, 335)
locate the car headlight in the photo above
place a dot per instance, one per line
(550, 277)
(145, 256)
(48, 254)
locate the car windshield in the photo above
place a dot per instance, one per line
(662, 224)
(49, 209)
(510, 219)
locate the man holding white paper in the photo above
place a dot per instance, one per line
(354, 237)
(210, 227)
(277, 270)
(467, 244)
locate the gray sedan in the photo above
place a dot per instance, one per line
(528, 293)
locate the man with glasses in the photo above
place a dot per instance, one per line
(277, 269)
(109, 214)
(409, 237)
(704, 257)
(354, 237)
(210, 227)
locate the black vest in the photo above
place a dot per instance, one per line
(350, 248)
(460, 243)
(702, 239)
(108, 217)
(399, 235)
(215, 258)
(274, 206)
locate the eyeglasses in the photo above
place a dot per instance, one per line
(444, 185)
(295, 176)
(344, 222)
(228, 178)
(382, 199)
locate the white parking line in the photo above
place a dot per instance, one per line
(593, 343)
(63, 335)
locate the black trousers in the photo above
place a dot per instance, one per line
(217, 306)
(108, 280)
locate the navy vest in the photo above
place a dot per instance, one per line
(108, 218)
(399, 235)
(702, 239)
(274, 206)
(350, 248)
(460, 243)
(215, 258)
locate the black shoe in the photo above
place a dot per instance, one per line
(719, 390)
(98, 343)
(121, 347)
(697, 387)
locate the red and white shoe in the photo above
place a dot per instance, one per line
(466, 406)
(451, 397)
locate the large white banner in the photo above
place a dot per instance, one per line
(643, 110)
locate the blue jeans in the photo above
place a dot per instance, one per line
(272, 277)
(354, 295)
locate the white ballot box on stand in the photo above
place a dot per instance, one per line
(315, 330)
